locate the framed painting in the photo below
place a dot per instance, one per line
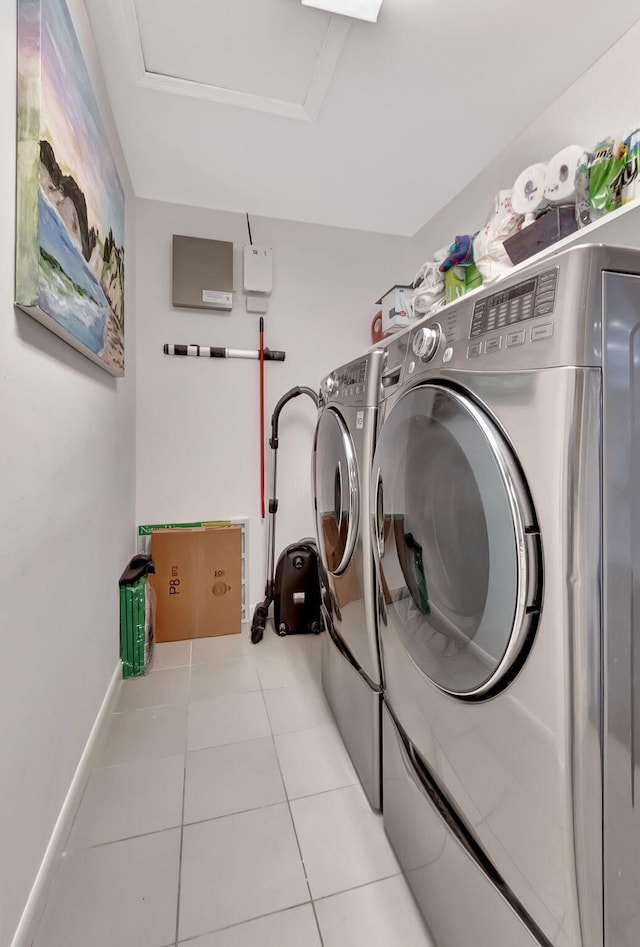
(70, 202)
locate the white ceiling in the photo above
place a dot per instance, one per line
(281, 110)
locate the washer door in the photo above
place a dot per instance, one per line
(457, 546)
(336, 492)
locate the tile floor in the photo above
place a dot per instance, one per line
(224, 812)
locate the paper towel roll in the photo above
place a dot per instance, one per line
(560, 183)
(631, 177)
(528, 191)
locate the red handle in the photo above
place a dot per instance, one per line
(262, 416)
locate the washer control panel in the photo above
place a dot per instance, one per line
(504, 328)
(529, 300)
(350, 379)
(346, 384)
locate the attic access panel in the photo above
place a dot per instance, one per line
(266, 48)
(202, 273)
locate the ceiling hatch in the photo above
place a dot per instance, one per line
(268, 55)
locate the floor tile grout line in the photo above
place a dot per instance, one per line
(154, 670)
(139, 761)
(124, 838)
(68, 851)
(364, 884)
(142, 759)
(95, 768)
(184, 792)
(213, 818)
(214, 746)
(184, 782)
(311, 902)
(328, 723)
(186, 700)
(135, 710)
(189, 701)
(289, 800)
(323, 792)
(293, 824)
(248, 920)
(229, 815)
(221, 660)
(317, 920)
(233, 693)
(216, 662)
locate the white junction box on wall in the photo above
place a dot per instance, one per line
(258, 270)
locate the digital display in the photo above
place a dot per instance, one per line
(354, 375)
(522, 290)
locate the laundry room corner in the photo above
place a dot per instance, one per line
(198, 418)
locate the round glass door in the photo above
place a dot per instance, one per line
(456, 540)
(336, 491)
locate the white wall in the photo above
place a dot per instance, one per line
(197, 454)
(198, 419)
(603, 101)
(66, 530)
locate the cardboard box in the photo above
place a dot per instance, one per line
(197, 582)
(397, 308)
(146, 531)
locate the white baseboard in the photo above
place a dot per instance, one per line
(26, 930)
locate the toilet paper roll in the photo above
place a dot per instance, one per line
(560, 182)
(528, 191)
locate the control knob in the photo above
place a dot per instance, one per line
(328, 385)
(425, 342)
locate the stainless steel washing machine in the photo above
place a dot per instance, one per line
(343, 451)
(505, 495)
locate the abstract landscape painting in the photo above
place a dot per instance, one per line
(70, 203)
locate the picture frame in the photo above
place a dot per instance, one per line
(70, 205)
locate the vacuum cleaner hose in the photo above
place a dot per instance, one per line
(292, 393)
(259, 622)
(261, 612)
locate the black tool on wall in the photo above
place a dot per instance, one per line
(294, 586)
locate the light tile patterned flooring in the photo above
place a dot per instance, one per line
(225, 812)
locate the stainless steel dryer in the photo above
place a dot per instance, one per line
(505, 494)
(343, 451)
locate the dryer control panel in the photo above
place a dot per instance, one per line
(528, 300)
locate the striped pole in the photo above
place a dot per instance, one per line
(208, 351)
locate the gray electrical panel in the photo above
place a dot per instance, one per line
(202, 273)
